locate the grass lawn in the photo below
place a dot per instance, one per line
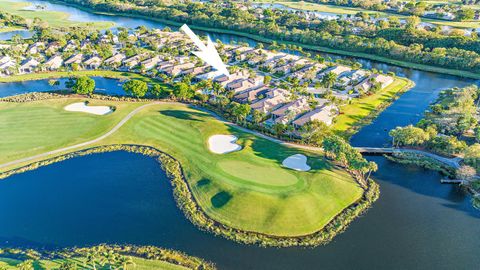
(140, 264)
(248, 189)
(53, 18)
(44, 125)
(354, 114)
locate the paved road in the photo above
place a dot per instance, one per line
(57, 151)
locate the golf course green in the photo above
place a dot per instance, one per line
(247, 189)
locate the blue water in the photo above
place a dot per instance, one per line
(102, 86)
(124, 198)
(10, 34)
(121, 197)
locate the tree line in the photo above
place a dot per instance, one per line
(288, 26)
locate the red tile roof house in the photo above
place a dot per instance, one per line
(324, 114)
(288, 112)
(275, 97)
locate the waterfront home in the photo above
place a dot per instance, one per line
(325, 114)
(338, 70)
(28, 66)
(54, 63)
(75, 59)
(115, 60)
(133, 61)
(384, 80)
(93, 62)
(273, 99)
(369, 82)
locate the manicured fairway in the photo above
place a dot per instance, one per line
(53, 18)
(38, 127)
(248, 189)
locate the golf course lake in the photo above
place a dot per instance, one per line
(102, 86)
(121, 197)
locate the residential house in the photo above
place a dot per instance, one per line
(240, 85)
(325, 114)
(151, 62)
(28, 66)
(54, 63)
(175, 70)
(115, 60)
(75, 59)
(93, 62)
(274, 98)
(251, 95)
(7, 65)
(36, 47)
(288, 112)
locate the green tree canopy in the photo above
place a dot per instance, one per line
(84, 85)
(136, 88)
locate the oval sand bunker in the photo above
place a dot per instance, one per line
(296, 162)
(222, 144)
(82, 107)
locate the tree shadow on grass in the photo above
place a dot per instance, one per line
(203, 182)
(220, 199)
(184, 115)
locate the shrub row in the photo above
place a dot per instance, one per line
(422, 161)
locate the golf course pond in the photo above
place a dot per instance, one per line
(120, 197)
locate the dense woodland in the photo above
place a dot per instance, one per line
(386, 38)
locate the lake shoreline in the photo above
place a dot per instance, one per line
(459, 73)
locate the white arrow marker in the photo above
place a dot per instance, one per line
(207, 53)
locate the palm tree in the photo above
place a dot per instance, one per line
(329, 80)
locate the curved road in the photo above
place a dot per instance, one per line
(454, 162)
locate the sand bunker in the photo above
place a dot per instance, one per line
(222, 144)
(297, 162)
(82, 107)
